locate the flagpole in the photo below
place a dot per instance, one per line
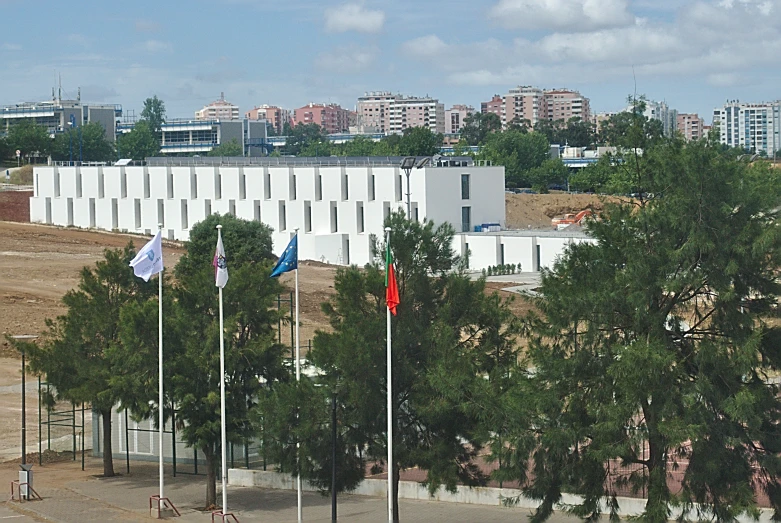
(160, 366)
(389, 388)
(222, 407)
(298, 379)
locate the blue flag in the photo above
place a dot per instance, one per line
(289, 259)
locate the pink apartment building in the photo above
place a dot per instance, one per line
(455, 116)
(331, 117)
(275, 116)
(494, 105)
(691, 126)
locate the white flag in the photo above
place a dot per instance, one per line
(220, 267)
(149, 260)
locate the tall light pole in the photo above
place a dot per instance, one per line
(24, 338)
(406, 165)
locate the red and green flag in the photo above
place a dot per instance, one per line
(391, 288)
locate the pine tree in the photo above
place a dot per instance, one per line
(654, 344)
(446, 334)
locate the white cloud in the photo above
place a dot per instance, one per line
(561, 15)
(353, 17)
(429, 46)
(10, 47)
(347, 59)
(156, 46)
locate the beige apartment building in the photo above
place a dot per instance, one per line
(275, 116)
(388, 113)
(691, 126)
(218, 110)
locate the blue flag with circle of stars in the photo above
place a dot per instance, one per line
(289, 259)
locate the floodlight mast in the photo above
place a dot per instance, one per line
(406, 165)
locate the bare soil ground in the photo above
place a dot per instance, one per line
(534, 211)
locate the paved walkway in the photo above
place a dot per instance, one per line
(125, 498)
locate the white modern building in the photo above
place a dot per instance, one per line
(662, 112)
(751, 126)
(336, 203)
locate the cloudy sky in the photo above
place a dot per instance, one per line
(695, 54)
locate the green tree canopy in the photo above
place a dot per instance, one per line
(631, 129)
(82, 352)
(31, 138)
(448, 333)
(550, 172)
(477, 127)
(518, 152)
(655, 344)
(154, 113)
(95, 146)
(139, 143)
(307, 140)
(229, 148)
(419, 141)
(252, 355)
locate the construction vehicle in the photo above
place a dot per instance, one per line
(560, 223)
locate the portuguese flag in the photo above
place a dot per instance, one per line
(391, 288)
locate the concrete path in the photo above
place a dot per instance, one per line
(126, 498)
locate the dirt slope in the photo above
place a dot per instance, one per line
(534, 211)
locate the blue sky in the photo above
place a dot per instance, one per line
(695, 54)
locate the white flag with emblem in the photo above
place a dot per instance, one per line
(149, 260)
(220, 267)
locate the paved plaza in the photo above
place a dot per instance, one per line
(70, 495)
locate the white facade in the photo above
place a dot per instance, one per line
(533, 250)
(392, 113)
(750, 126)
(336, 208)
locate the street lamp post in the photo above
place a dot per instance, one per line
(406, 165)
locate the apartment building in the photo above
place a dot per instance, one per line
(690, 125)
(455, 116)
(494, 105)
(390, 113)
(331, 117)
(275, 116)
(752, 126)
(534, 104)
(218, 110)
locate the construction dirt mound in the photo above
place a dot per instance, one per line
(534, 211)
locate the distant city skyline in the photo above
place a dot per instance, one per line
(693, 55)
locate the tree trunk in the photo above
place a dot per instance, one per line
(656, 508)
(211, 477)
(396, 476)
(108, 454)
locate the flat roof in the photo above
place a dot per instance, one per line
(393, 161)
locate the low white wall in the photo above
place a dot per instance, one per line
(628, 507)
